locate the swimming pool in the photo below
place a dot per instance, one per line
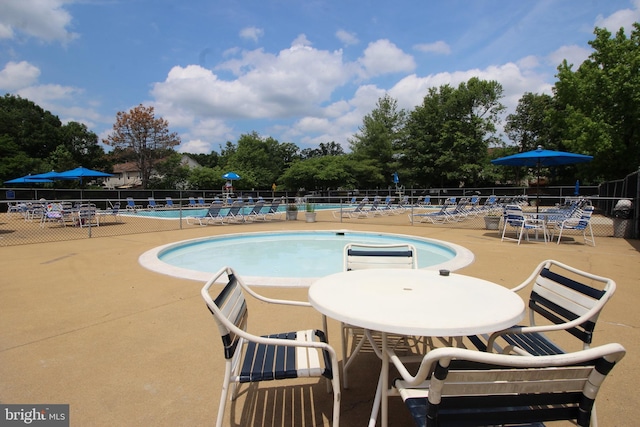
(183, 213)
(287, 258)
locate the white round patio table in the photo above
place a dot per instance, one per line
(415, 302)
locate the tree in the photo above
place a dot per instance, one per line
(147, 137)
(598, 105)
(261, 160)
(449, 134)
(83, 146)
(379, 137)
(28, 135)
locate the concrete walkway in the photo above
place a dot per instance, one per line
(83, 323)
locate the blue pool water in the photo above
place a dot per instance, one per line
(177, 213)
(287, 256)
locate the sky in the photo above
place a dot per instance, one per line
(300, 71)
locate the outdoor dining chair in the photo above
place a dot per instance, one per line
(514, 218)
(461, 387)
(251, 358)
(566, 299)
(581, 223)
(360, 256)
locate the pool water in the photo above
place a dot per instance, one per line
(285, 256)
(183, 213)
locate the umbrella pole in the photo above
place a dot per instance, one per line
(538, 190)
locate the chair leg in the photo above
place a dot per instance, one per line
(224, 394)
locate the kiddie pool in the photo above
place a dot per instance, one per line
(287, 258)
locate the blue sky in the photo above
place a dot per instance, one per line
(299, 71)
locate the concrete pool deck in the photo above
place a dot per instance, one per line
(84, 324)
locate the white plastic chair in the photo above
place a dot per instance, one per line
(515, 218)
(358, 256)
(566, 299)
(455, 386)
(252, 358)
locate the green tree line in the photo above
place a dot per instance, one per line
(447, 140)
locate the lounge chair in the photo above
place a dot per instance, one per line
(192, 202)
(359, 256)
(272, 212)
(438, 217)
(456, 386)
(169, 203)
(565, 299)
(211, 217)
(152, 204)
(234, 214)
(357, 212)
(201, 201)
(131, 204)
(251, 358)
(254, 212)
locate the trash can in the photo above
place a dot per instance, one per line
(622, 219)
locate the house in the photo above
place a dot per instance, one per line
(127, 175)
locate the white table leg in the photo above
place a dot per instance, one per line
(384, 382)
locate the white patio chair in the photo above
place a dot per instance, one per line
(358, 256)
(252, 358)
(455, 386)
(515, 219)
(566, 299)
(581, 223)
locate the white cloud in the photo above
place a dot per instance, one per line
(251, 33)
(43, 19)
(623, 18)
(18, 75)
(347, 38)
(384, 57)
(437, 47)
(575, 55)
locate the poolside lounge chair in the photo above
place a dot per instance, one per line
(192, 202)
(438, 217)
(211, 217)
(152, 203)
(357, 212)
(360, 256)
(201, 201)
(255, 211)
(234, 214)
(272, 212)
(169, 203)
(456, 386)
(565, 299)
(251, 358)
(131, 204)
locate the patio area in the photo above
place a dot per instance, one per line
(84, 324)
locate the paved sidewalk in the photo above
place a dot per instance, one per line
(83, 323)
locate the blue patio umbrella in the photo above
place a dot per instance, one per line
(81, 172)
(28, 179)
(231, 176)
(576, 190)
(541, 158)
(49, 175)
(396, 179)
